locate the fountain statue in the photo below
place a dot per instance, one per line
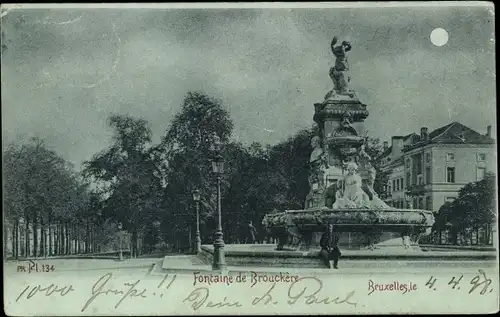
(349, 192)
(339, 72)
(341, 182)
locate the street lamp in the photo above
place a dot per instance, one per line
(120, 226)
(219, 261)
(196, 198)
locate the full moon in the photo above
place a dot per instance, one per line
(439, 37)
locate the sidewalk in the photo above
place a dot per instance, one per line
(458, 247)
(190, 264)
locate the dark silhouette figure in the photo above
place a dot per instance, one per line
(252, 232)
(329, 247)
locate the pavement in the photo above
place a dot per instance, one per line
(389, 253)
(190, 264)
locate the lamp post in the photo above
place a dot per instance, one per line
(120, 226)
(219, 261)
(196, 198)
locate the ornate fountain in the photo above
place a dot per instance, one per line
(341, 182)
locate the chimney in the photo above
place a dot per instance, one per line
(386, 145)
(488, 131)
(397, 145)
(423, 134)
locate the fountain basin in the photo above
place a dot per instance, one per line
(358, 228)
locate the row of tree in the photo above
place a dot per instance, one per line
(45, 198)
(473, 209)
(140, 184)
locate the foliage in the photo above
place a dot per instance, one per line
(474, 207)
(374, 149)
(129, 169)
(38, 181)
(40, 189)
(188, 149)
(130, 172)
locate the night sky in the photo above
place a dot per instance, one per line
(64, 71)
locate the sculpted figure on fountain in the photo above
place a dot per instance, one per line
(317, 163)
(350, 193)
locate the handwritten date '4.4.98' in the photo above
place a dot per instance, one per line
(479, 283)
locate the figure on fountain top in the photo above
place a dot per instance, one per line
(339, 72)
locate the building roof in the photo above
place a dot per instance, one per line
(458, 133)
(388, 151)
(439, 131)
(453, 133)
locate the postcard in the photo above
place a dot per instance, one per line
(249, 159)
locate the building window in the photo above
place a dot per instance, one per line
(408, 163)
(402, 184)
(450, 174)
(428, 175)
(428, 157)
(394, 185)
(481, 157)
(419, 159)
(397, 184)
(408, 180)
(420, 202)
(480, 173)
(428, 203)
(450, 157)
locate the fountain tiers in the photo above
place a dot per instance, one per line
(364, 224)
(341, 182)
(394, 229)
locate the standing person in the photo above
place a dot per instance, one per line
(252, 232)
(329, 245)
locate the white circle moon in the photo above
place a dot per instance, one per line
(439, 37)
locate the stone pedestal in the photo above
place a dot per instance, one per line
(341, 131)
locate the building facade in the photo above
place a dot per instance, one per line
(428, 169)
(392, 163)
